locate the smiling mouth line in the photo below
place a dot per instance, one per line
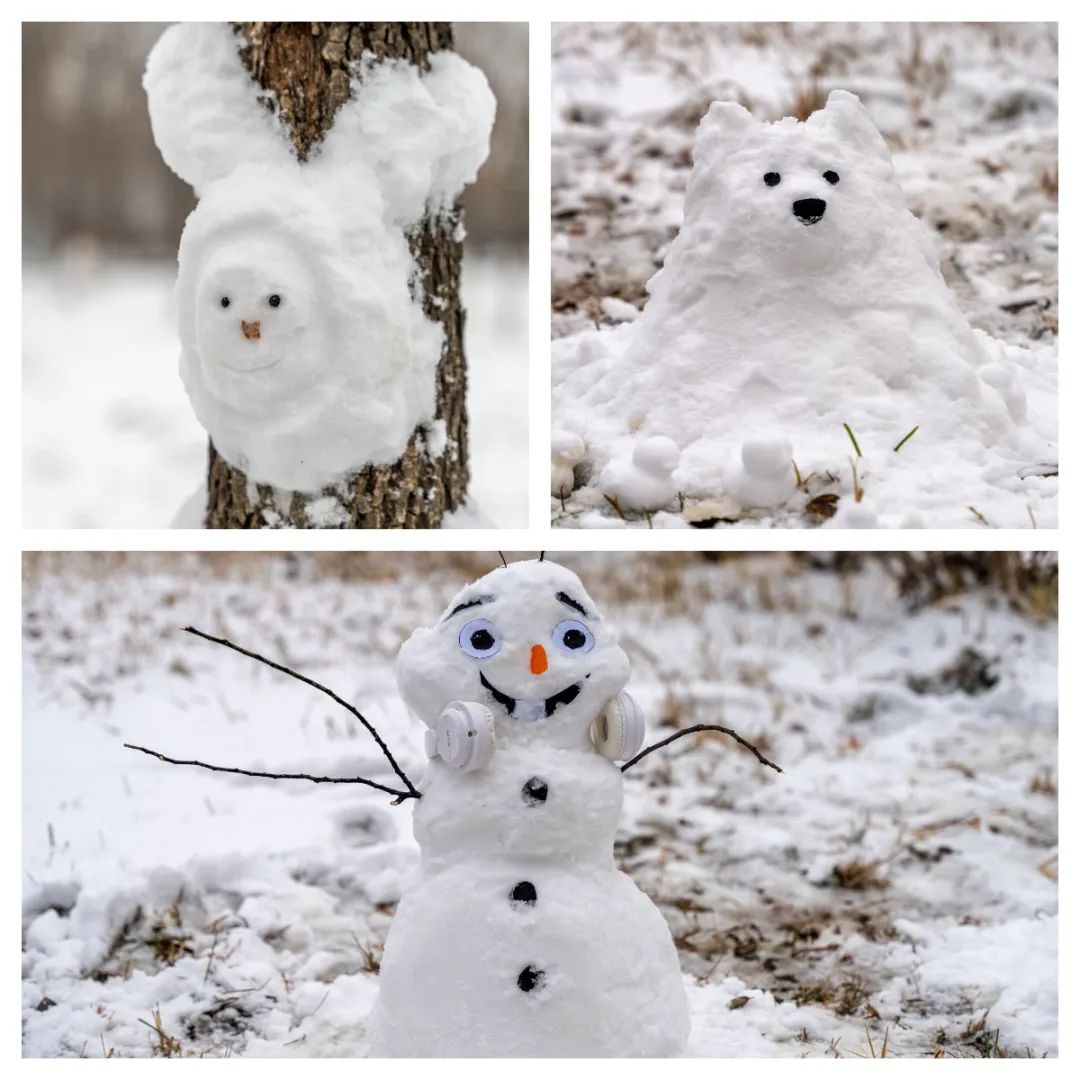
(510, 704)
(252, 370)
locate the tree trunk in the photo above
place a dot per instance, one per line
(306, 67)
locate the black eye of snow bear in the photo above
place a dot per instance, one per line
(771, 178)
(275, 300)
(832, 177)
(479, 639)
(572, 637)
(225, 301)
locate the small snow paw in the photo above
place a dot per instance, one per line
(763, 475)
(567, 451)
(645, 482)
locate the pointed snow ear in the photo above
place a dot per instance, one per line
(847, 118)
(423, 134)
(722, 128)
(205, 110)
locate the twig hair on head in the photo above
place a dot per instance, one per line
(503, 557)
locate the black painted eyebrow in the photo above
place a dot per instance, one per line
(570, 602)
(470, 604)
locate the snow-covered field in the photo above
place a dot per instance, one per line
(970, 115)
(109, 436)
(894, 891)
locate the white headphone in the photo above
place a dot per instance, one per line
(464, 734)
(619, 731)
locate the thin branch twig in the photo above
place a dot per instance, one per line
(399, 795)
(413, 793)
(704, 727)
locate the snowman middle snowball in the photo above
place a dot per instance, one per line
(518, 936)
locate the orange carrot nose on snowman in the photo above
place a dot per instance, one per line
(251, 330)
(538, 662)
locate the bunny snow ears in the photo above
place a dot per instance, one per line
(303, 349)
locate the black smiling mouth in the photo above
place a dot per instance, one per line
(563, 697)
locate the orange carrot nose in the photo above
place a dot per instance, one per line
(250, 330)
(538, 660)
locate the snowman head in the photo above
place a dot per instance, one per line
(528, 642)
(791, 195)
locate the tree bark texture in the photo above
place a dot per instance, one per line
(307, 69)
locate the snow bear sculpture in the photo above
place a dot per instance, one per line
(799, 295)
(304, 352)
(518, 936)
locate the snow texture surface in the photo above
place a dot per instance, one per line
(801, 298)
(451, 979)
(898, 879)
(304, 346)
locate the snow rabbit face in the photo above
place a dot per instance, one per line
(790, 194)
(253, 315)
(528, 642)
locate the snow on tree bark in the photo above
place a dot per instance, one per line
(306, 66)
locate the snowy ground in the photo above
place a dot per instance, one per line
(969, 111)
(894, 891)
(109, 437)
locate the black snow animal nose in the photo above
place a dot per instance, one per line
(808, 211)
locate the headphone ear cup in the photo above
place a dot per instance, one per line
(619, 731)
(465, 735)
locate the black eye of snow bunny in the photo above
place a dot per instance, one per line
(275, 300)
(479, 639)
(832, 177)
(771, 179)
(571, 637)
(225, 301)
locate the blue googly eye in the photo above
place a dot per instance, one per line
(572, 637)
(479, 639)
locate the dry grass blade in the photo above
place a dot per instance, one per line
(854, 441)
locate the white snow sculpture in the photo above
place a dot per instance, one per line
(762, 475)
(567, 450)
(645, 482)
(519, 937)
(799, 295)
(303, 350)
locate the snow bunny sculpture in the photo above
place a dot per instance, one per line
(518, 936)
(303, 350)
(799, 294)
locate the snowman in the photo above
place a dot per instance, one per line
(518, 936)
